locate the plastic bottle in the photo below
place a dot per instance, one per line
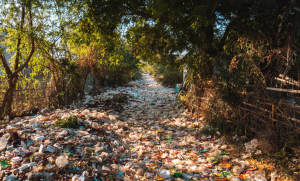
(3, 143)
(61, 161)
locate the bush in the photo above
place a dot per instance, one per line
(171, 78)
(71, 122)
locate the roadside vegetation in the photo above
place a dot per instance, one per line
(166, 75)
(241, 58)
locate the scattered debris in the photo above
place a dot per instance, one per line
(137, 132)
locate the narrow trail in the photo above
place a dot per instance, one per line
(150, 100)
(163, 144)
(152, 138)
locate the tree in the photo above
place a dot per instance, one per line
(261, 34)
(24, 26)
(27, 25)
(162, 30)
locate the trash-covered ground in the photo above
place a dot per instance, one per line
(138, 132)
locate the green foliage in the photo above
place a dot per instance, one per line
(146, 68)
(118, 67)
(185, 98)
(195, 33)
(166, 75)
(229, 83)
(71, 122)
(171, 78)
(72, 80)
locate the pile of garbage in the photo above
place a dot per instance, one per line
(109, 102)
(153, 138)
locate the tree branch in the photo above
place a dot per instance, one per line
(53, 60)
(32, 48)
(4, 62)
(19, 39)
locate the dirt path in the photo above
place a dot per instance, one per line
(152, 138)
(163, 144)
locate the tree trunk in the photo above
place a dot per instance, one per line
(6, 106)
(57, 87)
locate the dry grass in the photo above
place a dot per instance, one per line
(258, 126)
(268, 141)
(263, 162)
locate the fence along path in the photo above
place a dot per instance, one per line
(264, 109)
(29, 96)
(279, 111)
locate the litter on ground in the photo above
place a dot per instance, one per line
(137, 132)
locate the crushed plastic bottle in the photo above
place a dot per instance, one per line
(165, 173)
(61, 161)
(3, 143)
(16, 159)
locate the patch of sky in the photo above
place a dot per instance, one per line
(220, 25)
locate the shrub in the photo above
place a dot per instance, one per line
(71, 122)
